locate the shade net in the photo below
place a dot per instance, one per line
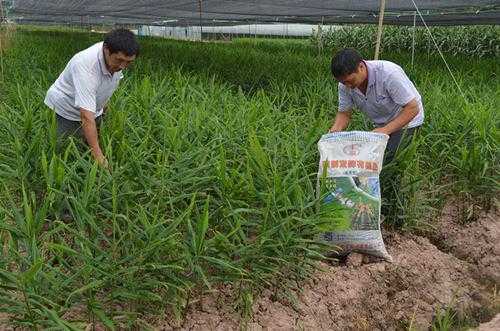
(228, 12)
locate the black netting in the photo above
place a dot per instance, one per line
(223, 12)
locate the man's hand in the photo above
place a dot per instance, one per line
(90, 133)
(381, 130)
(334, 129)
(341, 121)
(101, 160)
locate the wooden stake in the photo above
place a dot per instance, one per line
(2, 17)
(380, 25)
(2, 34)
(413, 39)
(201, 24)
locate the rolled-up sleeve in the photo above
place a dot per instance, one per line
(345, 99)
(400, 89)
(85, 84)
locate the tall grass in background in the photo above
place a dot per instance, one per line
(477, 41)
(213, 164)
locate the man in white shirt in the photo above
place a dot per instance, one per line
(382, 91)
(80, 94)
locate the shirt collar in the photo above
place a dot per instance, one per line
(102, 62)
(371, 73)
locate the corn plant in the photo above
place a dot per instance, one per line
(477, 41)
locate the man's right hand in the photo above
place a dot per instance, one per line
(334, 129)
(101, 160)
(90, 132)
(341, 121)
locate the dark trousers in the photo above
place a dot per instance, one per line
(67, 128)
(393, 198)
(398, 140)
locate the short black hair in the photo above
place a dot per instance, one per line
(121, 40)
(345, 62)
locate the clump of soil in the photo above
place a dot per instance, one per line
(423, 279)
(477, 243)
(493, 325)
(4, 318)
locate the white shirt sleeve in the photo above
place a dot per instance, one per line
(400, 88)
(85, 85)
(345, 99)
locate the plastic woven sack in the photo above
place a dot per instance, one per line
(348, 183)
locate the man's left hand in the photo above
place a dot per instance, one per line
(382, 130)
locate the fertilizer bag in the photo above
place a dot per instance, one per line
(348, 184)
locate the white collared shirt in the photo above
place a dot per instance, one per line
(389, 90)
(84, 83)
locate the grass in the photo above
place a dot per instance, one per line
(213, 161)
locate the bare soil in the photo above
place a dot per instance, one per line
(493, 325)
(477, 243)
(456, 266)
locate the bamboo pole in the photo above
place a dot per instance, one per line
(2, 16)
(380, 26)
(201, 24)
(2, 34)
(413, 39)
